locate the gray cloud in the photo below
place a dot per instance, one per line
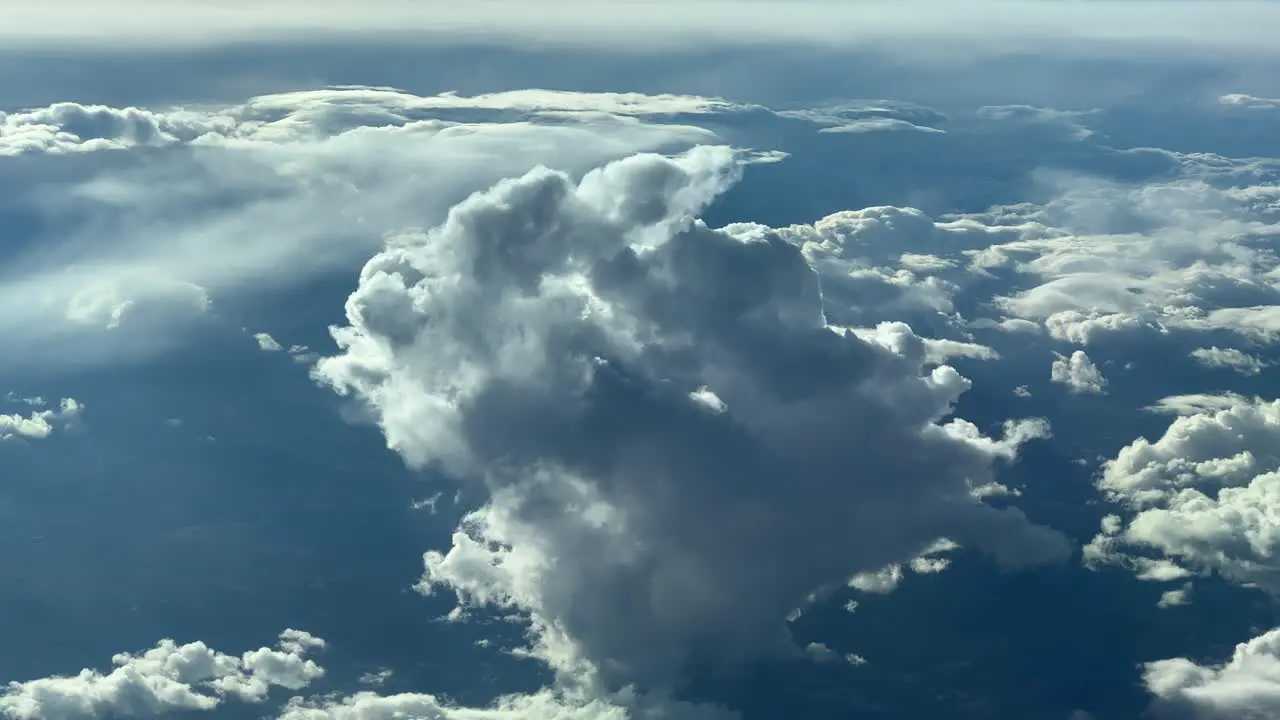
(677, 448)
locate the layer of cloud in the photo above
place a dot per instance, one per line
(324, 174)
(677, 447)
(225, 197)
(166, 679)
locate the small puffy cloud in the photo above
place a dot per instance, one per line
(1175, 598)
(38, 424)
(879, 582)
(887, 579)
(1230, 358)
(678, 448)
(1201, 497)
(1249, 102)
(166, 679)
(266, 343)
(1246, 687)
(1078, 373)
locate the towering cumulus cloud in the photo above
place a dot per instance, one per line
(674, 446)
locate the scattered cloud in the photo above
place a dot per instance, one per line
(1176, 597)
(1201, 496)
(38, 424)
(1246, 686)
(166, 679)
(1230, 358)
(1078, 373)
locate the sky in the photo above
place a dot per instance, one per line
(640, 360)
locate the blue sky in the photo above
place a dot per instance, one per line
(884, 360)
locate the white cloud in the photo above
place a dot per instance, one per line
(1175, 598)
(1249, 102)
(1104, 258)
(1246, 687)
(166, 679)
(1197, 403)
(1232, 358)
(543, 705)
(266, 343)
(1078, 373)
(39, 424)
(306, 115)
(888, 578)
(879, 582)
(558, 342)
(1202, 496)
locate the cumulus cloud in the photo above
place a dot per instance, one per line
(1078, 373)
(1246, 687)
(38, 424)
(1231, 358)
(166, 679)
(677, 446)
(1201, 497)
